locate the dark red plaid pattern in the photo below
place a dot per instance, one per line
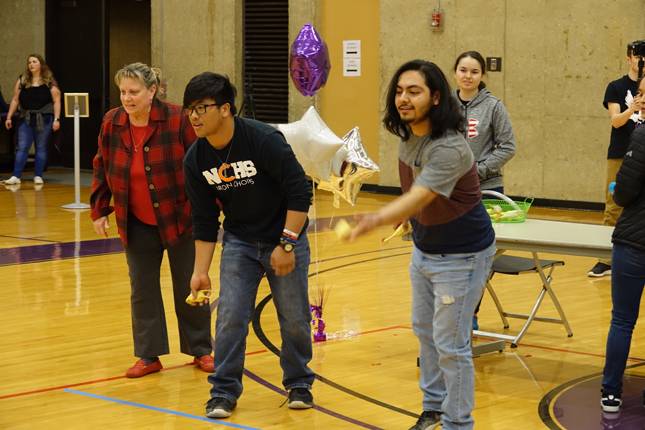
(163, 155)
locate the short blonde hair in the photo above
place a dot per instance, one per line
(147, 75)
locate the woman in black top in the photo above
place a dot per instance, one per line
(36, 93)
(628, 269)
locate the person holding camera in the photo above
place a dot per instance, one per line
(640, 121)
(623, 102)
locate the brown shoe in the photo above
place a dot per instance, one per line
(205, 362)
(140, 368)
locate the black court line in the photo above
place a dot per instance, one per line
(319, 408)
(259, 332)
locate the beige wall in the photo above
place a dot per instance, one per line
(347, 102)
(193, 36)
(128, 43)
(557, 60)
(301, 12)
(23, 33)
(557, 55)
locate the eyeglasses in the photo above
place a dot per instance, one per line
(200, 109)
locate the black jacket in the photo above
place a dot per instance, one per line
(630, 193)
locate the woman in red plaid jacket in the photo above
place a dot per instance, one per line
(139, 165)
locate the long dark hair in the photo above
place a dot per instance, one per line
(46, 75)
(444, 116)
(475, 56)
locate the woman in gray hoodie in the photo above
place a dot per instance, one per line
(488, 128)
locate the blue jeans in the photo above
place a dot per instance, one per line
(627, 282)
(445, 291)
(241, 269)
(27, 134)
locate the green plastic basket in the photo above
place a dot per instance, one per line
(505, 210)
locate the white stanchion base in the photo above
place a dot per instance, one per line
(76, 206)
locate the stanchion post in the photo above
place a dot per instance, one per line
(77, 150)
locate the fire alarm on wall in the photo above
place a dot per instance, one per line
(436, 19)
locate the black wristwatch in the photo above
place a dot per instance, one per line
(57, 119)
(287, 246)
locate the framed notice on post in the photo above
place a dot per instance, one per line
(77, 99)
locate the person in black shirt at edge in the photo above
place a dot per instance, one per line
(622, 101)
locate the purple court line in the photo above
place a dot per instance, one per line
(280, 391)
(86, 248)
(58, 251)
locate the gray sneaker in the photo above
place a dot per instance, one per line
(428, 420)
(219, 407)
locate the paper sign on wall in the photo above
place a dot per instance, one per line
(351, 58)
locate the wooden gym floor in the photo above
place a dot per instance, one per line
(66, 332)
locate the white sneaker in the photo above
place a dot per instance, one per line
(38, 180)
(12, 181)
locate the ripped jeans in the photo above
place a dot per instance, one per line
(445, 290)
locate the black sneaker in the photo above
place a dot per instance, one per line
(219, 407)
(300, 398)
(599, 270)
(428, 420)
(610, 403)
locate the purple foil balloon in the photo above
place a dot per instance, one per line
(309, 61)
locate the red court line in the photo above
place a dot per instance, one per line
(114, 378)
(96, 381)
(376, 330)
